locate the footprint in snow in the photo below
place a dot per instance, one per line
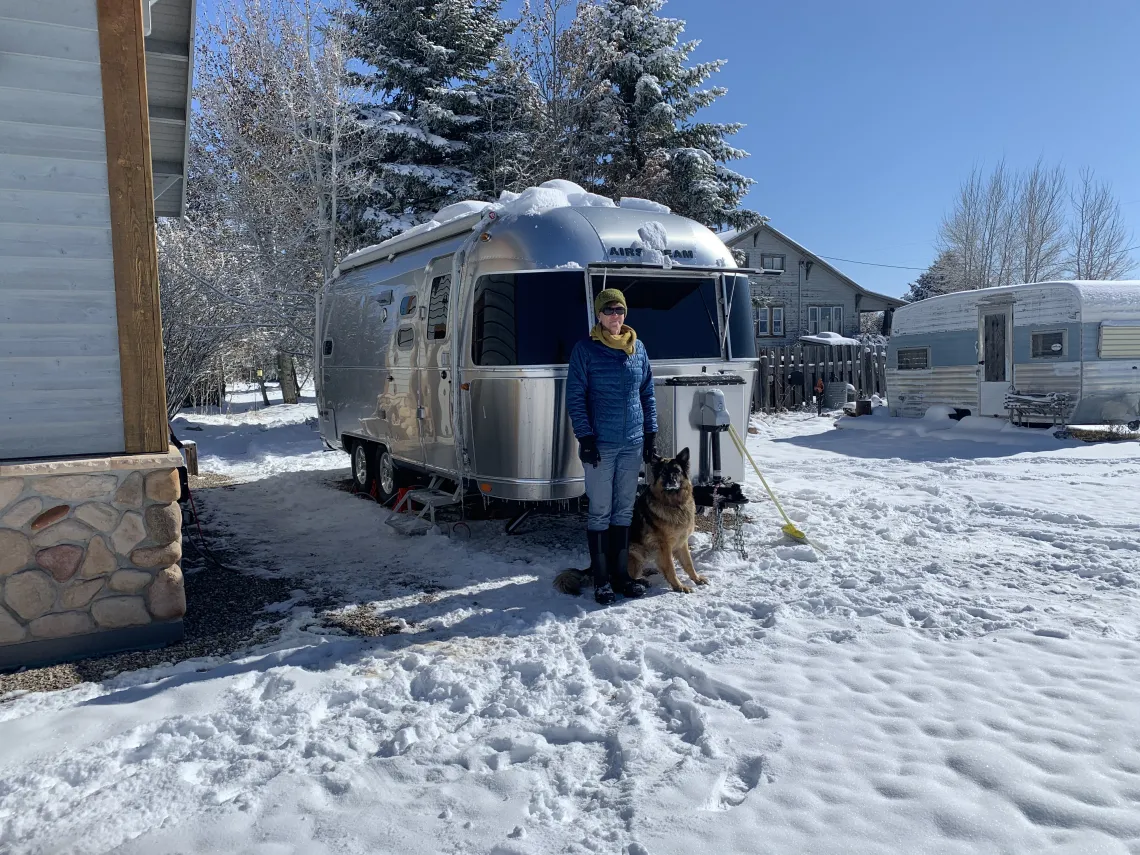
(744, 777)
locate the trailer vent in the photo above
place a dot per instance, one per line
(1120, 340)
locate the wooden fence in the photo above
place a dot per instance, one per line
(787, 375)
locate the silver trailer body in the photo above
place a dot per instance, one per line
(970, 348)
(448, 348)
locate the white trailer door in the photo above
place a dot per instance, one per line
(995, 351)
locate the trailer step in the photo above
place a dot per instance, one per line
(409, 525)
(433, 498)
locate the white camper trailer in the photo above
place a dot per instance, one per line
(1065, 352)
(444, 350)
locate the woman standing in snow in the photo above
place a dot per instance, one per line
(609, 394)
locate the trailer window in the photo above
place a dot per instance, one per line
(408, 305)
(912, 358)
(437, 308)
(405, 338)
(1120, 340)
(675, 316)
(528, 318)
(1047, 345)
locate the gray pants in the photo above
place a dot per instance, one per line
(612, 486)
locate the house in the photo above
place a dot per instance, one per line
(94, 96)
(798, 293)
(1041, 352)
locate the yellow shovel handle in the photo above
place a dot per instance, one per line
(743, 450)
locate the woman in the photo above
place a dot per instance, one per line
(609, 394)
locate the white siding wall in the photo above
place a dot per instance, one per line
(60, 391)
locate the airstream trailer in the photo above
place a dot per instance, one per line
(1066, 352)
(444, 350)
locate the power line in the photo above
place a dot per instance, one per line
(871, 263)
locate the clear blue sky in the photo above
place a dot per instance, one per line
(864, 115)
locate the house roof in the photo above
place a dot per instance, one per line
(169, 72)
(734, 237)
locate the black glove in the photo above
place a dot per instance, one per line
(649, 449)
(588, 451)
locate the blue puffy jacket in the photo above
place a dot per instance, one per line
(609, 394)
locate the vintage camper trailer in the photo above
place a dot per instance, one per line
(1047, 351)
(444, 350)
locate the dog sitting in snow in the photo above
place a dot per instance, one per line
(663, 520)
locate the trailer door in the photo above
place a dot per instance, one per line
(436, 403)
(995, 366)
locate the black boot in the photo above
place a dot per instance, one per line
(600, 566)
(619, 564)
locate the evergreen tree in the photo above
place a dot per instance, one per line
(942, 277)
(640, 127)
(426, 63)
(505, 143)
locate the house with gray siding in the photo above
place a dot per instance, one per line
(798, 293)
(94, 96)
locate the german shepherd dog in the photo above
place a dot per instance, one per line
(664, 517)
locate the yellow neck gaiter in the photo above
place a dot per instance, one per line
(625, 340)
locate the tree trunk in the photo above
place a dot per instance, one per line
(261, 384)
(287, 378)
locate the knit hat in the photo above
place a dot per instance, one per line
(610, 295)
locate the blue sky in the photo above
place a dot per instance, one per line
(863, 116)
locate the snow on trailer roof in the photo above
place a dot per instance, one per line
(464, 216)
(1120, 292)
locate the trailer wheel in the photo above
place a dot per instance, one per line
(385, 474)
(363, 469)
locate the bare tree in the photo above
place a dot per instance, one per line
(1099, 239)
(196, 325)
(277, 139)
(551, 50)
(1041, 223)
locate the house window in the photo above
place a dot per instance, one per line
(437, 309)
(771, 263)
(825, 319)
(912, 358)
(769, 321)
(1047, 345)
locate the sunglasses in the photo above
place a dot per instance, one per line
(613, 310)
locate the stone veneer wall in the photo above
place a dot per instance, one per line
(89, 553)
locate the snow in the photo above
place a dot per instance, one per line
(832, 338)
(654, 235)
(954, 674)
(557, 193)
(636, 204)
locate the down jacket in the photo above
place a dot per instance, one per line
(609, 394)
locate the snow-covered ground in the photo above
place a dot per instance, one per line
(957, 673)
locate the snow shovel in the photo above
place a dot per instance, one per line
(789, 528)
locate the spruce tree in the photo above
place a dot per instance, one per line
(426, 63)
(641, 128)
